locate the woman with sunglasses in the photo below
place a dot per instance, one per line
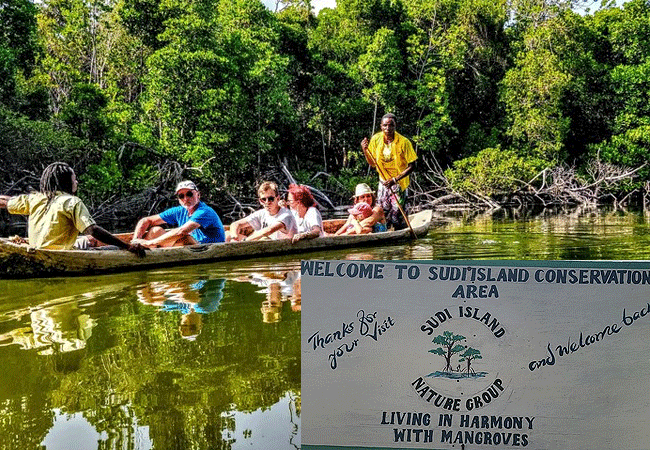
(194, 222)
(303, 208)
(272, 221)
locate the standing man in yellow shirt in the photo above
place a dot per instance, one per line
(56, 215)
(394, 158)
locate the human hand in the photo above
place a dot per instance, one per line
(144, 243)
(364, 144)
(388, 184)
(92, 242)
(18, 240)
(296, 237)
(137, 249)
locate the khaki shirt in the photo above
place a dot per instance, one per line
(54, 226)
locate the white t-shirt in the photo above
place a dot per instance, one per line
(312, 218)
(262, 218)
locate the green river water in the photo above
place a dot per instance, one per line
(208, 356)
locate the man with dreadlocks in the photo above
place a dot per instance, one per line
(56, 215)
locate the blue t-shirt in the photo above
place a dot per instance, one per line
(210, 227)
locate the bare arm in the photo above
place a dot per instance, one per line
(170, 236)
(358, 228)
(344, 227)
(144, 224)
(354, 228)
(3, 200)
(235, 229)
(369, 222)
(259, 234)
(311, 234)
(104, 236)
(366, 152)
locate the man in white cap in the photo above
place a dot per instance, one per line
(194, 222)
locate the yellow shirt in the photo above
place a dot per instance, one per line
(392, 158)
(54, 226)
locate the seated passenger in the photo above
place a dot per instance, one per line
(272, 221)
(307, 216)
(194, 222)
(57, 215)
(359, 213)
(377, 221)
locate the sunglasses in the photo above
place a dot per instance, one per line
(267, 199)
(189, 194)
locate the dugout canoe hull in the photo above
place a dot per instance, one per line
(21, 261)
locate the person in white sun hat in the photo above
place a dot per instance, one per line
(377, 221)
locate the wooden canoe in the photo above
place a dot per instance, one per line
(21, 261)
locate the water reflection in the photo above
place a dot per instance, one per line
(279, 287)
(110, 352)
(170, 359)
(579, 233)
(202, 296)
(190, 299)
(58, 328)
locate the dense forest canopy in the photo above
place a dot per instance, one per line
(137, 94)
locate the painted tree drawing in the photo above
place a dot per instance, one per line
(469, 355)
(449, 347)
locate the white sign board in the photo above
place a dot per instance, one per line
(475, 354)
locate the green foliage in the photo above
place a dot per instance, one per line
(18, 45)
(630, 148)
(102, 180)
(349, 179)
(448, 338)
(533, 92)
(84, 114)
(118, 176)
(448, 341)
(217, 92)
(631, 85)
(436, 124)
(144, 19)
(469, 354)
(30, 145)
(7, 75)
(382, 68)
(18, 31)
(493, 171)
(628, 31)
(228, 89)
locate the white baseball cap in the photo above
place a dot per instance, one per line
(185, 185)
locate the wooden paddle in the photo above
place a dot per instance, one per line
(383, 175)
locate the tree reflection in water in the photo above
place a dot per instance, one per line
(185, 362)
